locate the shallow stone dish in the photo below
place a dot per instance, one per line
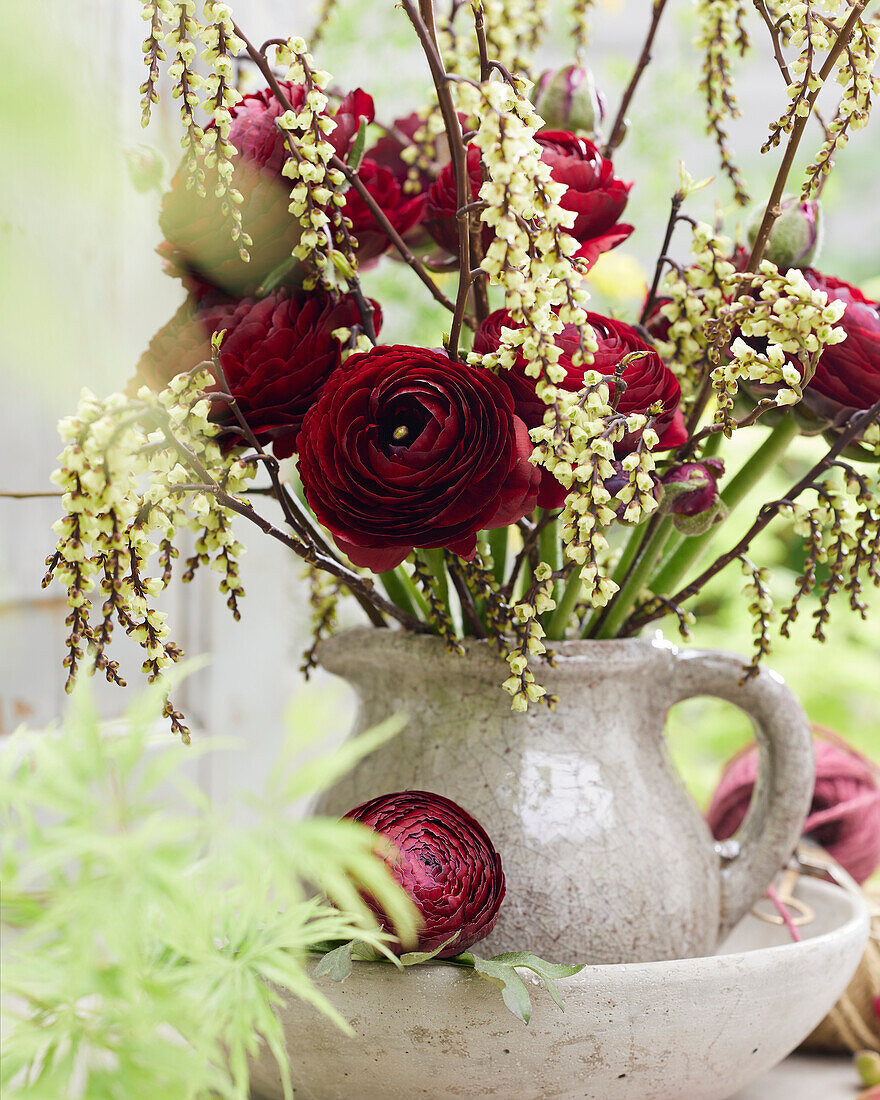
(688, 1029)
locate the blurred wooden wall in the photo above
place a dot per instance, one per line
(93, 296)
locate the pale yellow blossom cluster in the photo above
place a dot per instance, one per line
(177, 26)
(692, 296)
(521, 684)
(220, 45)
(513, 30)
(721, 37)
(316, 196)
(581, 15)
(530, 257)
(812, 28)
(122, 473)
(778, 318)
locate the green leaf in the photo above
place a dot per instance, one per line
(513, 989)
(546, 971)
(336, 964)
(321, 773)
(276, 276)
(413, 958)
(357, 150)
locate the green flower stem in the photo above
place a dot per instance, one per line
(633, 545)
(635, 582)
(761, 462)
(558, 621)
(394, 585)
(710, 449)
(498, 548)
(549, 548)
(436, 563)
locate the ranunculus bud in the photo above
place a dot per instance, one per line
(796, 236)
(146, 168)
(445, 862)
(691, 495)
(409, 448)
(568, 99)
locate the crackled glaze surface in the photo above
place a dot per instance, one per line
(689, 1029)
(606, 857)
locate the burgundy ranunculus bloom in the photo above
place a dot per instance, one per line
(442, 203)
(445, 862)
(594, 193)
(409, 448)
(388, 149)
(848, 375)
(403, 213)
(199, 246)
(648, 380)
(277, 354)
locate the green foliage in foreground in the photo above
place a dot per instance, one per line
(144, 947)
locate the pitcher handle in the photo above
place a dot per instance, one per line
(784, 787)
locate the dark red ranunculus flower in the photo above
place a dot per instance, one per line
(594, 193)
(648, 380)
(445, 862)
(442, 203)
(848, 375)
(403, 213)
(199, 246)
(409, 448)
(388, 149)
(277, 354)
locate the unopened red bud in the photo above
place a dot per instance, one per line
(568, 99)
(796, 236)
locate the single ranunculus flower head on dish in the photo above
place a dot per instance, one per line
(568, 99)
(796, 237)
(198, 245)
(691, 495)
(411, 449)
(277, 354)
(444, 860)
(648, 381)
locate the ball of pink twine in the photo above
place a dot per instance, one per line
(844, 815)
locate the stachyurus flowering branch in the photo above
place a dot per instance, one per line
(562, 478)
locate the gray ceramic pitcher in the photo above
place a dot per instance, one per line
(606, 856)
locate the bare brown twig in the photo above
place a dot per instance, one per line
(856, 424)
(774, 207)
(619, 127)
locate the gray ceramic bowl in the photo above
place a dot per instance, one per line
(690, 1029)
